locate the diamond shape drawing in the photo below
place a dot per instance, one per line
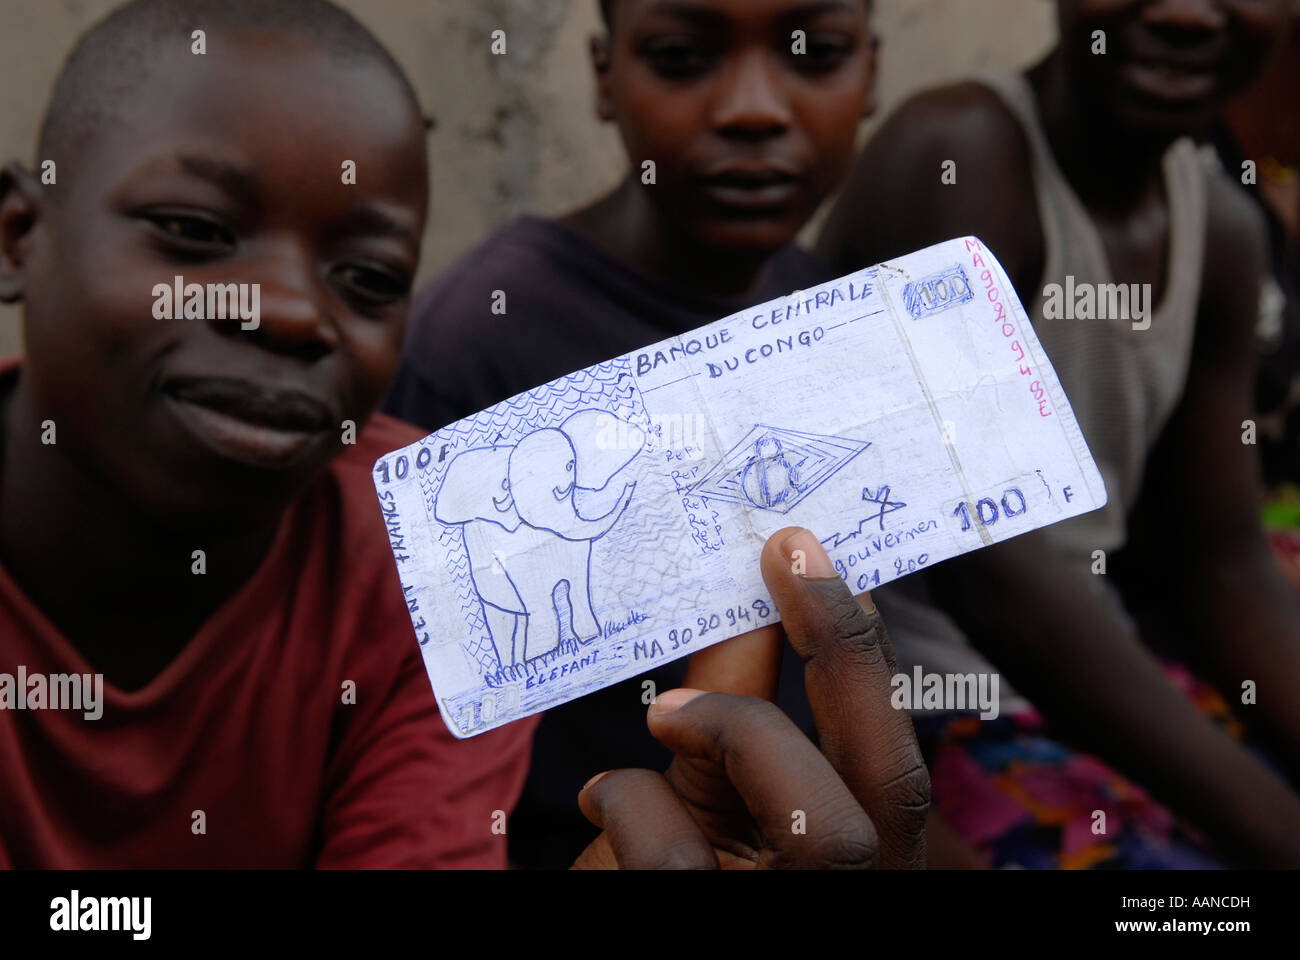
(776, 469)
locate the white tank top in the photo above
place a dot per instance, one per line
(1122, 383)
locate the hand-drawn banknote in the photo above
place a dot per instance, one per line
(588, 530)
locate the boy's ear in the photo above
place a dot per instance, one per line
(20, 207)
(600, 64)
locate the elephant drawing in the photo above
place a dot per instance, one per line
(529, 513)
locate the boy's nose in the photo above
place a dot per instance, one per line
(289, 314)
(293, 321)
(752, 102)
(1187, 14)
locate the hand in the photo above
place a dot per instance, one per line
(746, 788)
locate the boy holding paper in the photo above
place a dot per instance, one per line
(1080, 176)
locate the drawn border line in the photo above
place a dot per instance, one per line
(934, 409)
(668, 384)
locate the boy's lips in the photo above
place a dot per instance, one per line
(1172, 83)
(750, 188)
(240, 420)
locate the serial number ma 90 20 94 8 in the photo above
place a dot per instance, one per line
(743, 616)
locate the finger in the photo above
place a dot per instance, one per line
(748, 665)
(848, 665)
(805, 814)
(599, 855)
(645, 825)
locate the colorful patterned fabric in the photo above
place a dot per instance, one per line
(1281, 519)
(1024, 800)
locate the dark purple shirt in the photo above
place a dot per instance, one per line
(568, 305)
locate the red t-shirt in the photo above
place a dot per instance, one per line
(248, 724)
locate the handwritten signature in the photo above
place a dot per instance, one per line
(633, 618)
(879, 497)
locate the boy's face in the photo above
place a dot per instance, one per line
(1170, 65)
(747, 136)
(228, 168)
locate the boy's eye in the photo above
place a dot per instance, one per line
(678, 57)
(193, 231)
(823, 54)
(372, 286)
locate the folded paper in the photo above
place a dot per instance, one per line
(609, 521)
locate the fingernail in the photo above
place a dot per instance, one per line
(674, 699)
(592, 780)
(806, 555)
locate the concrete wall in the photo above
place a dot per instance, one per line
(516, 133)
